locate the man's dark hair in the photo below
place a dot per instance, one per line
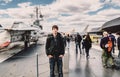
(109, 32)
(54, 27)
(118, 33)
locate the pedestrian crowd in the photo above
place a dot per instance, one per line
(57, 42)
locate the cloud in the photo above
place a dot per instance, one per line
(67, 13)
(6, 1)
(116, 2)
(72, 6)
(24, 5)
(78, 10)
(3, 4)
(17, 14)
(23, 11)
(110, 13)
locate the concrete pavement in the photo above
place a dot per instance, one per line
(23, 64)
(79, 66)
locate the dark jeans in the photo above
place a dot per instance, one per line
(68, 44)
(113, 49)
(87, 51)
(119, 54)
(78, 45)
(52, 62)
(108, 58)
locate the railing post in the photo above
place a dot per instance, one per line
(37, 65)
(66, 62)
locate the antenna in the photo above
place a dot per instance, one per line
(39, 16)
(36, 10)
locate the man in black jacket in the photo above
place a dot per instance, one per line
(55, 51)
(78, 39)
(106, 55)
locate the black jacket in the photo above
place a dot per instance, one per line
(78, 38)
(103, 42)
(118, 43)
(87, 43)
(55, 47)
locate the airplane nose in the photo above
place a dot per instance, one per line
(5, 39)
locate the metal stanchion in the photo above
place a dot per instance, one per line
(66, 62)
(37, 67)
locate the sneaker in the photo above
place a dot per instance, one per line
(105, 65)
(113, 66)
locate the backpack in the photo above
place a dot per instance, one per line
(110, 44)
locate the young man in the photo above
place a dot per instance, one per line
(55, 51)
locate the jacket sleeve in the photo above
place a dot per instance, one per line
(62, 52)
(118, 43)
(75, 39)
(101, 44)
(47, 46)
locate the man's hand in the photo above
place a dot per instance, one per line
(50, 56)
(61, 56)
(106, 46)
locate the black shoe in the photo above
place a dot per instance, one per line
(87, 57)
(113, 66)
(105, 66)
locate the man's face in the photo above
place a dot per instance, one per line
(105, 35)
(54, 31)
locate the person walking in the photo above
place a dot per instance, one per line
(118, 44)
(64, 39)
(68, 40)
(78, 39)
(87, 44)
(113, 41)
(55, 51)
(106, 45)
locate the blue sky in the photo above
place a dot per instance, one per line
(108, 5)
(14, 3)
(67, 13)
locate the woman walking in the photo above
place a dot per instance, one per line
(87, 44)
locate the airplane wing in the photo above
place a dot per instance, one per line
(22, 29)
(86, 28)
